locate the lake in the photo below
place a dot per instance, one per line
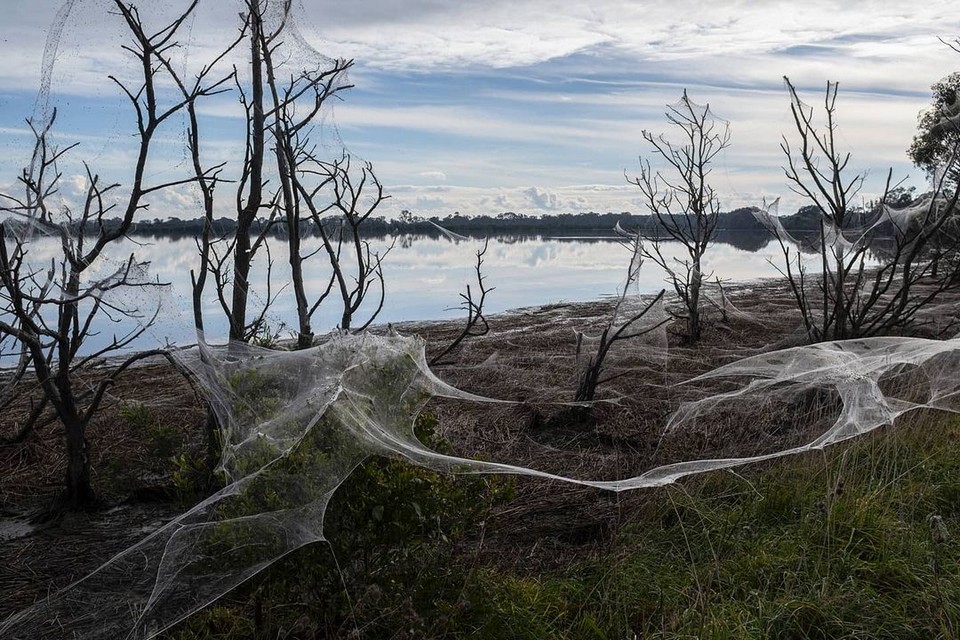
(425, 275)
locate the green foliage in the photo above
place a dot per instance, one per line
(851, 543)
(391, 502)
(268, 336)
(933, 145)
(162, 441)
(192, 478)
(393, 530)
(257, 395)
(138, 416)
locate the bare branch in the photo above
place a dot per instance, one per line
(682, 201)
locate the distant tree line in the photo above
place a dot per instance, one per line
(805, 219)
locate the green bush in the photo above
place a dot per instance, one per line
(393, 531)
(857, 541)
(162, 441)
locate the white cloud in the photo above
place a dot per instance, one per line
(499, 34)
(502, 34)
(532, 200)
(543, 199)
(488, 141)
(75, 186)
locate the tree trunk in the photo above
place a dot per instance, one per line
(841, 331)
(78, 493)
(214, 440)
(304, 340)
(693, 311)
(241, 274)
(247, 215)
(589, 379)
(304, 330)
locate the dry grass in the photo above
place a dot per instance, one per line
(32, 472)
(528, 356)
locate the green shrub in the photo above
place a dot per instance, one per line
(162, 441)
(393, 529)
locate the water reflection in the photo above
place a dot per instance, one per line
(425, 274)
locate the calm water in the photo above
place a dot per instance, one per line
(424, 277)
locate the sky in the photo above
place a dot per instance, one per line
(481, 107)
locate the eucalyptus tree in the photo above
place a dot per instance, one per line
(938, 128)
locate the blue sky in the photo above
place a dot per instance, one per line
(482, 107)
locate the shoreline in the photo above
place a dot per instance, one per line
(542, 528)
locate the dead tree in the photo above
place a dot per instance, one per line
(849, 298)
(682, 200)
(207, 179)
(286, 184)
(228, 259)
(16, 384)
(339, 201)
(52, 309)
(476, 324)
(295, 103)
(624, 324)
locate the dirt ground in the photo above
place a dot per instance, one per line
(528, 356)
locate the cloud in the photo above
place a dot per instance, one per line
(493, 200)
(491, 97)
(543, 199)
(75, 186)
(415, 188)
(428, 204)
(501, 34)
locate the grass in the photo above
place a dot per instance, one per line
(858, 541)
(854, 542)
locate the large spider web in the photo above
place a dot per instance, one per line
(296, 424)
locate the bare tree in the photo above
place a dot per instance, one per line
(339, 202)
(52, 309)
(207, 179)
(917, 257)
(229, 258)
(250, 190)
(683, 202)
(296, 103)
(476, 323)
(295, 190)
(624, 324)
(16, 382)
